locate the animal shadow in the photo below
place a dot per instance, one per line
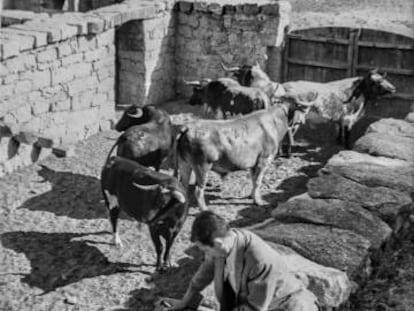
(73, 195)
(58, 260)
(172, 283)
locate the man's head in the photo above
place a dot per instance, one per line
(211, 233)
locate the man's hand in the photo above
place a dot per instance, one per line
(171, 304)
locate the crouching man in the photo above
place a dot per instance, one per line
(248, 274)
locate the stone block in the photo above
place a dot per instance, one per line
(83, 100)
(47, 56)
(95, 24)
(106, 38)
(41, 79)
(336, 248)
(40, 106)
(384, 202)
(332, 287)
(334, 213)
(185, 6)
(53, 33)
(270, 9)
(8, 48)
(99, 99)
(10, 17)
(72, 59)
(349, 157)
(64, 150)
(215, 8)
(61, 105)
(81, 70)
(375, 175)
(86, 43)
(26, 42)
(392, 126)
(61, 75)
(74, 20)
(22, 87)
(40, 37)
(251, 8)
(6, 90)
(388, 145)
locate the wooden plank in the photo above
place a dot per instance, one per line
(285, 58)
(382, 45)
(355, 35)
(318, 39)
(399, 71)
(316, 64)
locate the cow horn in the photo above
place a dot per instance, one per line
(231, 69)
(146, 187)
(179, 196)
(137, 114)
(193, 83)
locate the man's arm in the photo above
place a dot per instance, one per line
(203, 277)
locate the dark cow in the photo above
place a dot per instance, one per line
(227, 96)
(150, 197)
(342, 101)
(148, 137)
(249, 142)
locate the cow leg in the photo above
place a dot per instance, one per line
(257, 174)
(347, 136)
(339, 138)
(113, 218)
(113, 207)
(169, 240)
(184, 171)
(155, 236)
(201, 181)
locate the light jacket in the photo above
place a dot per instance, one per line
(262, 280)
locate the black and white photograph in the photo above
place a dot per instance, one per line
(206, 155)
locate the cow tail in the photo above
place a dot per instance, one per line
(179, 136)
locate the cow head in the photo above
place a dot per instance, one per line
(372, 86)
(248, 75)
(133, 115)
(166, 192)
(297, 108)
(199, 87)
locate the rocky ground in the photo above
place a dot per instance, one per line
(55, 239)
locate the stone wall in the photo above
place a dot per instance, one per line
(209, 33)
(58, 77)
(61, 73)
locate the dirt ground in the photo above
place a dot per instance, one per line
(55, 235)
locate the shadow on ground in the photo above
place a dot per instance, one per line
(57, 259)
(173, 283)
(73, 195)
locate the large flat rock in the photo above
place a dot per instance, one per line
(331, 286)
(349, 157)
(384, 202)
(334, 213)
(392, 127)
(388, 145)
(375, 175)
(337, 248)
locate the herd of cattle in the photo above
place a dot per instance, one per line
(269, 112)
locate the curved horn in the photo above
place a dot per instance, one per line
(193, 83)
(179, 196)
(230, 69)
(146, 187)
(137, 114)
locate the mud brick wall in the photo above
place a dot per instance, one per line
(242, 32)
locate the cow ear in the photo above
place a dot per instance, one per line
(179, 196)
